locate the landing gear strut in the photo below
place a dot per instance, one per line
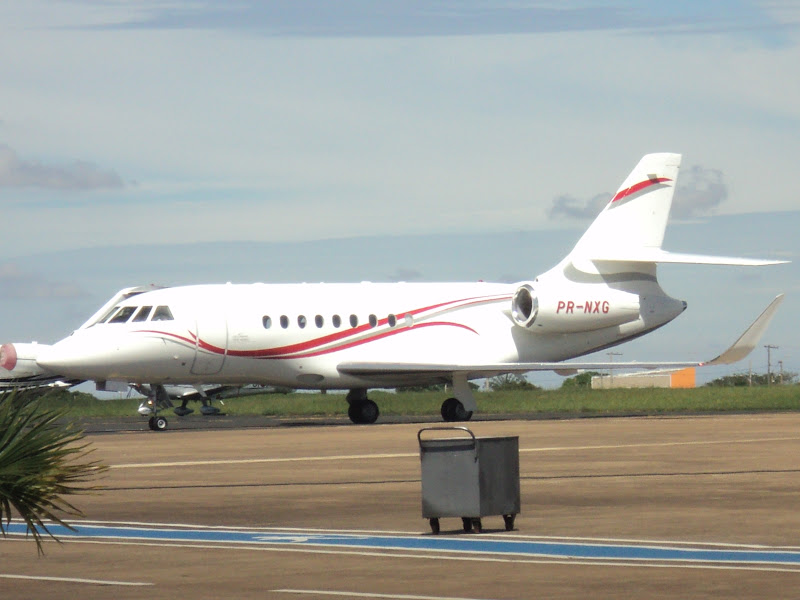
(362, 410)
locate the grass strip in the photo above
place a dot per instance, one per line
(565, 402)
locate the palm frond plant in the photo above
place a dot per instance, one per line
(43, 459)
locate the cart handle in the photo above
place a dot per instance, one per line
(456, 428)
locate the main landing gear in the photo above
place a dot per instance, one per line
(453, 410)
(362, 411)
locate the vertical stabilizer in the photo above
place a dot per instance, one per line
(636, 217)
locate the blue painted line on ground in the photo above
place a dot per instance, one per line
(462, 544)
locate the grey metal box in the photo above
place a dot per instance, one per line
(469, 477)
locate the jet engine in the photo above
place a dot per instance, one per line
(572, 310)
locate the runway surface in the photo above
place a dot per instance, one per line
(638, 507)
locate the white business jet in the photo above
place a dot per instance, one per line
(374, 335)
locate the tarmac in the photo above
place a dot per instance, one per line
(672, 507)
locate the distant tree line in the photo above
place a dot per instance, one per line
(754, 379)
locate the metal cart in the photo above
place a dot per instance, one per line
(469, 477)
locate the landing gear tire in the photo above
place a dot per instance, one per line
(453, 410)
(364, 412)
(158, 423)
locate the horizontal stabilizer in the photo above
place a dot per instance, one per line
(657, 255)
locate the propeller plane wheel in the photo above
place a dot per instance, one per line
(453, 410)
(158, 423)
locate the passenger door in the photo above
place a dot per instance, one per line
(211, 343)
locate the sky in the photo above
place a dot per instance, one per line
(313, 127)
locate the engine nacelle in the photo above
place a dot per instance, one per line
(18, 361)
(571, 311)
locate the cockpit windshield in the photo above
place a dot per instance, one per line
(123, 314)
(141, 314)
(162, 313)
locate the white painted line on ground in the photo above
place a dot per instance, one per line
(430, 556)
(247, 461)
(370, 595)
(661, 444)
(73, 580)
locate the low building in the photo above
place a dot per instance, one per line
(682, 378)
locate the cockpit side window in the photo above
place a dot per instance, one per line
(162, 313)
(142, 315)
(107, 315)
(123, 315)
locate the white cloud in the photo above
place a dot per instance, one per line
(234, 133)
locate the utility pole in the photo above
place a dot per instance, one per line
(611, 356)
(780, 364)
(769, 363)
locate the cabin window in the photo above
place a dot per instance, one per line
(337, 321)
(319, 321)
(373, 320)
(162, 313)
(284, 321)
(353, 321)
(123, 315)
(301, 321)
(392, 320)
(266, 322)
(142, 315)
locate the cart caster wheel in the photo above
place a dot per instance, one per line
(467, 523)
(477, 527)
(434, 526)
(509, 521)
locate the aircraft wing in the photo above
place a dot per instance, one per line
(36, 381)
(739, 350)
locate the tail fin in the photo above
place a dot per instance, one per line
(630, 229)
(636, 217)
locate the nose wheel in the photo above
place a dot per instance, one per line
(158, 423)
